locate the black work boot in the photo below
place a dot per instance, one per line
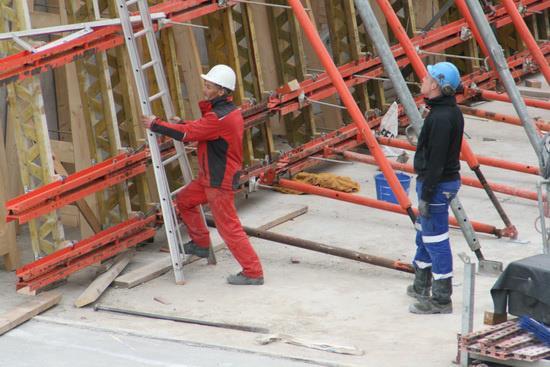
(439, 302)
(241, 279)
(191, 248)
(420, 289)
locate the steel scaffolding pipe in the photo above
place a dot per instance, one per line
(488, 161)
(506, 78)
(507, 119)
(325, 249)
(421, 72)
(503, 97)
(527, 38)
(468, 181)
(390, 66)
(463, 9)
(352, 108)
(378, 204)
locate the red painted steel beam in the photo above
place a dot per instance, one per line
(495, 96)
(463, 9)
(352, 107)
(78, 185)
(378, 204)
(468, 181)
(26, 64)
(91, 250)
(527, 37)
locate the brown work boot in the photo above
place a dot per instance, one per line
(241, 279)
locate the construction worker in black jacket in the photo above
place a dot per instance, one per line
(437, 164)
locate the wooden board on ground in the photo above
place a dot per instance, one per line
(159, 267)
(28, 310)
(98, 286)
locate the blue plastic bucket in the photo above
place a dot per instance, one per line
(384, 191)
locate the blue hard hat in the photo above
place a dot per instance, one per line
(446, 74)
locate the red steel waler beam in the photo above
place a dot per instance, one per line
(86, 252)
(124, 166)
(527, 37)
(27, 64)
(78, 185)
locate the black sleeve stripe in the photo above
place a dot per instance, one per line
(174, 134)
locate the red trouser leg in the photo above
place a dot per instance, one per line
(188, 201)
(230, 229)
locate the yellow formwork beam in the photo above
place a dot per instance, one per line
(94, 78)
(26, 112)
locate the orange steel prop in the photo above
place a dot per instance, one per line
(495, 96)
(351, 105)
(469, 181)
(420, 70)
(373, 203)
(527, 37)
(512, 120)
(463, 9)
(493, 162)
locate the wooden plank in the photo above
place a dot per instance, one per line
(40, 19)
(159, 267)
(28, 310)
(63, 150)
(284, 218)
(187, 55)
(98, 286)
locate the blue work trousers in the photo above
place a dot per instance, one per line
(432, 233)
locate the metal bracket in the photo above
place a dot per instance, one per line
(465, 33)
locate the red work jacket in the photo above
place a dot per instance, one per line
(219, 133)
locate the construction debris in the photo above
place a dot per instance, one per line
(339, 349)
(326, 180)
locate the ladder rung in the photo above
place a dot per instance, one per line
(131, 2)
(156, 96)
(141, 33)
(148, 65)
(171, 159)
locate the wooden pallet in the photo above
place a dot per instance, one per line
(506, 341)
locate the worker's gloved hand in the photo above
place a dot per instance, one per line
(176, 120)
(424, 208)
(147, 121)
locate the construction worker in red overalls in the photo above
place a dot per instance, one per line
(219, 133)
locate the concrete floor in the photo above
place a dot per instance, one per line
(320, 298)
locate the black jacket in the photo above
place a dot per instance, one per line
(438, 150)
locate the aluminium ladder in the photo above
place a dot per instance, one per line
(139, 68)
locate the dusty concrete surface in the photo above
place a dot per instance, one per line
(322, 298)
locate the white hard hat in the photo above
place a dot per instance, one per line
(221, 75)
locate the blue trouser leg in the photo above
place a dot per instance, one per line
(433, 237)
